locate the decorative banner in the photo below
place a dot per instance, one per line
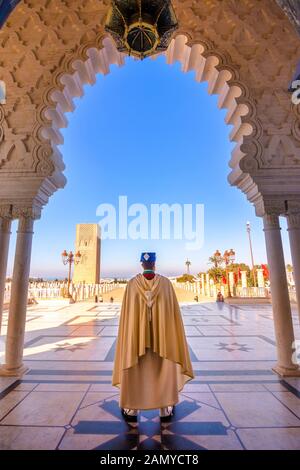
(265, 271)
(6, 7)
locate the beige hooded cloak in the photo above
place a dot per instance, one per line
(152, 361)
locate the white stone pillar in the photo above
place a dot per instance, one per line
(207, 285)
(283, 324)
(260, 278)
(293, 221)
(19, 294)
(5, 231)
(202, 284)
(244, 279)
(231, 280)
(215, 291)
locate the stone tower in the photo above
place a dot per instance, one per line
(88, 242)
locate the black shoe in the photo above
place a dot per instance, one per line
(129, 418)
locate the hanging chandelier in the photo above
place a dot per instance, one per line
(141, 27)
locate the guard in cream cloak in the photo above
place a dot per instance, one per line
(152, 361)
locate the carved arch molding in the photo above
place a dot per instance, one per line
(246, 50)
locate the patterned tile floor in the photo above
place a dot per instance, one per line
(66, 400)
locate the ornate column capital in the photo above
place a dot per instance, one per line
(270, 205)
(275, 207)
(5, 218)
(293, 220)
(293, 215)
(26, 215)
(26, 212)
(271, 222)
(6, 211)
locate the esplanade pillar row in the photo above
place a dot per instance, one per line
(19, 291)
(293, 221)
(5, 232)
(283, 323)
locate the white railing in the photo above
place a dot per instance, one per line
(45, 293)
(81, 292)
(241, 292)
(56, 290)
(211, 290)
(252, 292)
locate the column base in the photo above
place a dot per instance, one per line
(286, 371)
(13, 372)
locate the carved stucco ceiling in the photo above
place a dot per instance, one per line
(292, 9)
(45, 42)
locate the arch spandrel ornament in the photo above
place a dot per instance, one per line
(247, 53)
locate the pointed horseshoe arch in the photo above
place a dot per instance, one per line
(208, 65)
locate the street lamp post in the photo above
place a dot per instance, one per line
(69, 259)
(188, 264)
(217, 260)
(251, 251)
(229, 258)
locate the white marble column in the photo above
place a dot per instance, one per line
(19, 295)
(244, 279)
(5, 231)
(231, 279)
(203, 284)
(260, 278)
(207, 285)
(215, 291)
(293, 221)
(283, 324)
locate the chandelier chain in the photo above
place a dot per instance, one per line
(160, 12)
(120, 13)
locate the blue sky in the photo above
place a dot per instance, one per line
(152, 133)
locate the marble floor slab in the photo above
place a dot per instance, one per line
(66, 400)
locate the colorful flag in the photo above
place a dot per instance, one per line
(265, 271)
